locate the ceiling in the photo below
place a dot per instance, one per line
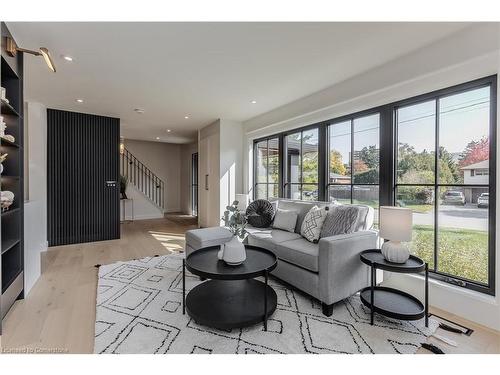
(204, 71)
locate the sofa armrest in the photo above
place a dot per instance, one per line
(341, 272)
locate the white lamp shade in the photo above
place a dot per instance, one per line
(396, 223)
(242, 201)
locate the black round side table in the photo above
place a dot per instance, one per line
(391, 302)
(231, 297)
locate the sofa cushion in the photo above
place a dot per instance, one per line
(252, 230)
(270, 238)
(285, 220)
(260, 213)
(198, 238)
(301, 207)
(300, 252)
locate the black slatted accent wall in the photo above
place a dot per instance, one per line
(83, 177)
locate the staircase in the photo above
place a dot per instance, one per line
(142, 178)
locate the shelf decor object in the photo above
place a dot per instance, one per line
(391, 302)
(9, 138)
(12, 178)
(396, 225)
(3, 126)
(6, 199)
(3, 157)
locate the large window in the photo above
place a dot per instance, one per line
(442, 174)
(267, 169)
(302, 165)
(353, 161)
(434, 153)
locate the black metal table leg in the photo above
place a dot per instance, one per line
(183, 287)
(426, 294)
(372, 295)
(265, 300)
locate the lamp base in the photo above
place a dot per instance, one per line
(395, 252)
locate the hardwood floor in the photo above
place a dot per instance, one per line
(58, 315)
(59, 312)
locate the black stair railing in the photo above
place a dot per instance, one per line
(142, 178)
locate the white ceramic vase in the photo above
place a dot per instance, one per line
(232, 252)
(395, 252)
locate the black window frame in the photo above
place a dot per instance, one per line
(286, 183)
(351, 118)
(491, 82)
(387, 163)
(280, 167)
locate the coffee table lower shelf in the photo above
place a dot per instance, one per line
(393, 303)
(230, 304)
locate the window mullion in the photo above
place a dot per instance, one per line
(436, 186)
(267, 168)
(352, 157)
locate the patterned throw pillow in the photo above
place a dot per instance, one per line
(341, 219)
(312, 224)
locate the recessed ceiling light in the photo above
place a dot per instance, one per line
(186, 117)
(168, 130)
(68, 58)
(79, 100)
(157, 138)
(254, 102)
(139, 110)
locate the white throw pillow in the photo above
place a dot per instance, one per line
(285, 220)
(312, 224)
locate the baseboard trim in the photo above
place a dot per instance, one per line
(145, 217)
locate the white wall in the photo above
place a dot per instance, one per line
(35, 210)
(164, 159)
(231, 159)
(220, 157)
(467, 55)
(208, 174)
(142, 209)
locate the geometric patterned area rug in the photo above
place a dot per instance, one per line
(139, 311)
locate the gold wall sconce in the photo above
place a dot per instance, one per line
(12, 49)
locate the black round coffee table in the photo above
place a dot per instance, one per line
(231, 298)
(392, 302)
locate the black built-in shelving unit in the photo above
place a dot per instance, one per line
(11, 221)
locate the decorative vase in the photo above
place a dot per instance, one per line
(232, 252)
(395, 252)
(6, 199)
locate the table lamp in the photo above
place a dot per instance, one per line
(396, 226)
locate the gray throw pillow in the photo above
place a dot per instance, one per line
(340, 220)
(285, 220)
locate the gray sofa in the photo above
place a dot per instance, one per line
(329, 270)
